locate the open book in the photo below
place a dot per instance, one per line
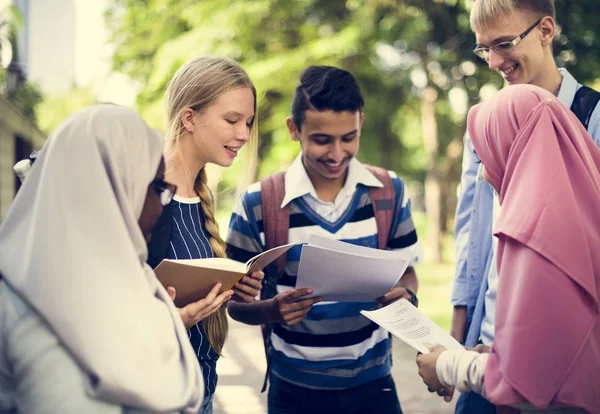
(193, 279)
(411, 325)
(344, 272)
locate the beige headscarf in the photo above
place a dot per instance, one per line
(72, 248)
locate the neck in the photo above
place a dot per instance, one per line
(327, 190)
(182, 167)
(549, 79)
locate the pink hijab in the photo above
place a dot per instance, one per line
(546, 169)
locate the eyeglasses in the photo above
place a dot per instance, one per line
(165, 191)
(503, 48)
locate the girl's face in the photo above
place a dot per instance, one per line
(221, 130)
(486, 177)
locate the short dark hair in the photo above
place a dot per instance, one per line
(325, 88)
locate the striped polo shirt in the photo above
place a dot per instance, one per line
(334, 347)
(190, 240)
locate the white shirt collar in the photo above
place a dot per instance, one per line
(298, 184)
(568, 88)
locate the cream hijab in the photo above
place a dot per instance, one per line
(72, 248)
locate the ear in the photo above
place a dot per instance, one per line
(293, 129)
(188, 119)
(548, 30)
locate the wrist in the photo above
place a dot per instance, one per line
(413, 297)
(268, 311)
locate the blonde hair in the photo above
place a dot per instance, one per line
(486, 13)
(197, 85)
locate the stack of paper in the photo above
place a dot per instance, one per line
(344, 272)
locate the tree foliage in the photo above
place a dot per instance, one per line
(396, 49)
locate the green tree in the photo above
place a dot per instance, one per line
(413, 59)
(22, 93)
(54, 109)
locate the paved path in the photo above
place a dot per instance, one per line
(241, 374)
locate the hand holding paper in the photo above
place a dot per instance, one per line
(408, 323)
(338, 271)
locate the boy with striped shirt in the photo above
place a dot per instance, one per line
(324, 357)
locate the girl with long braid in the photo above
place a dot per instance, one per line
(211, 108)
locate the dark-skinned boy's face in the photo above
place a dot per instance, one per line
(329, 140)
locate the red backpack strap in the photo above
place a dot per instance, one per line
(383, 199)
(276, 220)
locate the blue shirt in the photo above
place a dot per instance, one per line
(334, 347)
(190, 240)
(473, 228)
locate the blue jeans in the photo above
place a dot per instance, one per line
(377, 396)
(473, 403)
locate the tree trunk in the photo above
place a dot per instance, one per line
(433, 191)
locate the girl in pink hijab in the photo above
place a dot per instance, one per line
(545, 168)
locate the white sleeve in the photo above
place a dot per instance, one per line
(462, 369)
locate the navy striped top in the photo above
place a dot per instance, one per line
(334, 347)
(191, 240)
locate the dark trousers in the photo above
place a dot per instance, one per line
(377, 396)
(473, 403)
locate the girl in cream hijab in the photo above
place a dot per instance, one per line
(84, 325)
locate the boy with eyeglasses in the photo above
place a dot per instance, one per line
(515, 38)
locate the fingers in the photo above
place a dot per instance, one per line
(394, 294)
(258, 276)
(172, 292)
(213, 293)
(216, 303)
(291, 295)
(446, 393)
(482, 349)
(295, 317)
(212, 301)
(248, 286)
(243, 297)
(420, 358)
(437, 348)
(306, 303)
(291, 311)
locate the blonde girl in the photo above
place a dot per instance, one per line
(211, 109)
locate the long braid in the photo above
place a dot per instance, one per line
(197, 85)
(216, 325)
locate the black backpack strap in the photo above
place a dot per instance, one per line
(584, 103)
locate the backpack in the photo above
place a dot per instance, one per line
(584, 103)
(277, 225)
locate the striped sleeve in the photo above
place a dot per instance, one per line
(403, 235)
(245, 238)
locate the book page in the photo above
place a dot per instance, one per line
(263, 259)
(332, 244)
(412, 326)
(221, 263)
(348, 277)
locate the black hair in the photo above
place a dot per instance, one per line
(325, 88)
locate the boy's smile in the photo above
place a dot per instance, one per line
(329, 140)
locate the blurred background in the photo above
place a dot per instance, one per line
(412, 58)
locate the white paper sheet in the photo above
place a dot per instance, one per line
(344, 272)
(412, 326)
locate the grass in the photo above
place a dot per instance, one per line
(435, 287)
